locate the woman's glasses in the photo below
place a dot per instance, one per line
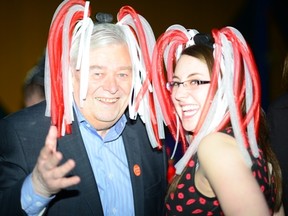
(191, 84)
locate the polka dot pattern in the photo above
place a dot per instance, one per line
(187, 200)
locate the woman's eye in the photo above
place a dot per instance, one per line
(176, 84)
(194, 82)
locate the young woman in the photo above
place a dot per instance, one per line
(228, 167)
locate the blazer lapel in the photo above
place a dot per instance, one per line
(73, 147)
(132, 144)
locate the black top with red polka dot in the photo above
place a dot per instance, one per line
(187, 200)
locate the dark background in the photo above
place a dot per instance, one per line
(264, 24)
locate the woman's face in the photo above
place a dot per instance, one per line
(188, 94)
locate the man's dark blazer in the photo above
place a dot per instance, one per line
(278, 122)
(22, 135)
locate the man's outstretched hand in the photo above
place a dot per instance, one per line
(48, 177)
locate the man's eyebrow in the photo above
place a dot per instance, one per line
(100, 67)
(96, 67)
(125, 68)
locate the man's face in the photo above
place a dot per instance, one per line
(109, 86)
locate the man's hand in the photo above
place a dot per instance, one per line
(47, 177)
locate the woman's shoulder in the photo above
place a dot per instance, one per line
(217, 146)
(218, 139)
(219, 155)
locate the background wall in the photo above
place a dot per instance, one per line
(25, 26)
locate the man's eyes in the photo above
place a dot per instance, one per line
(98, 75)
(123, 75)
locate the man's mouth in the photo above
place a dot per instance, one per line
(107, 100)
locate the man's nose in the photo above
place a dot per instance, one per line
(111, 84)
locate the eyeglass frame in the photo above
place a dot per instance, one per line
(171, 85)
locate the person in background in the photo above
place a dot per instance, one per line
(277, 115)
(100, 163)
(228, 167)
(33, 88)
(3, 111)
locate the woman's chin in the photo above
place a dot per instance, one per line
(188, 127)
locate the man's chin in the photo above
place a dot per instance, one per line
(108, 121)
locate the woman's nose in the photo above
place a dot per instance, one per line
(180, 92)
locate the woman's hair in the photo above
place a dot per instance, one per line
(204, 53)
(201, 52)
(285, 73)
(276, 175)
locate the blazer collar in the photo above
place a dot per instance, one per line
(131, 143)
(73, 147)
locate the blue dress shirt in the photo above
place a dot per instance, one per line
(110, 167)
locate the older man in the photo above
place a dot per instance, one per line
(106, 166)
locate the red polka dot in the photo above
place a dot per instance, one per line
(259, 174)
(191, 189)
(216, 203)
(168, 207)
(197, 211)
(180, 195)
(202, 201)
(191, 163)
(190, 201)
(179, 208)
(188, 176)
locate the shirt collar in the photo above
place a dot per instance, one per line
(114, 132)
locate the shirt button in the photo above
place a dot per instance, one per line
(110, 176)
(29, 198)
(38, 204)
